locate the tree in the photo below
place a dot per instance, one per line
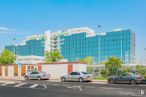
(126, 70)
(88, 60)
(104, 73)
(53, 56)
(7, 57)
(113, 65)
(140, 69)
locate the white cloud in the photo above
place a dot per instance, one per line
(3, 29)
(6, 30)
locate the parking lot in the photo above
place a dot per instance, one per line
(50, 88)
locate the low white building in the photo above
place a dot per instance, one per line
(29, 59)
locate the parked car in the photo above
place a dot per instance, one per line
(36, 75)
(77, 76)
(125, 78)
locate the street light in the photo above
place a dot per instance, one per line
(99, 46)
(121, 47)
(14, 46)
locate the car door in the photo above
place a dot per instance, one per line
(72, 76)
(128, 78)
(31, 76)
(124, 78)
(35, 74)
(75, 76)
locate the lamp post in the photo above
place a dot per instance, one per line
(99, 45)
(121, 47)
(14, 46)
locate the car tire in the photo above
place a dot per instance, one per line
(111, 81)
(63, 79)
(26, 78)
(133, 82)
(81, 79)
(38, 78)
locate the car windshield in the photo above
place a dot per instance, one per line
(85, 73)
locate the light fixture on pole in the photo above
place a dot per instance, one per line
(121, 47)
(99, 45)
(14, 45)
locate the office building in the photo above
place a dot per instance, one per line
(78, 43)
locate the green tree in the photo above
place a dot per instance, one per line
(104, 73)
(126, 70)
(113, 65)
(7, 57)
(140, 69)
(53, 56)
(88, 60)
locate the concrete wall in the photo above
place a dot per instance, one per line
(10, 71)
(79, 67)
(3, 71)
(55, 70)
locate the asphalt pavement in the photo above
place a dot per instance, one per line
(44, 88)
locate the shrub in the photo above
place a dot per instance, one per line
(104, 73)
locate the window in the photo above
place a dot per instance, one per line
(126, 75)
(75, 73)
(34, 73)
(84, 73)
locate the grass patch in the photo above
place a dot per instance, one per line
(100, 78)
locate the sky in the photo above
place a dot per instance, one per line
(20, 18)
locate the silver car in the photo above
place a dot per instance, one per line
(77, 76)
(36, 75)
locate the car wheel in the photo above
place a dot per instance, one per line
(26, 78)
(133, 82)
(111, 81)
(81, 79)
(39, 78)
(63, 79)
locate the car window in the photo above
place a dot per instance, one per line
(72, 73)
(85, 73)
(78, 73)
(75, 73)
(34, 72)
(126, 75)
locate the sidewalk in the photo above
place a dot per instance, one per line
(99, 81)
(2, 79)
(12, 78)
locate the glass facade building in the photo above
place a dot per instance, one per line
(30, 47)
(120, 44)
(78, 43)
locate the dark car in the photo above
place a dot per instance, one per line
(125, 78)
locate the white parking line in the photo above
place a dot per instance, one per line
(79, 87)
(110, 88)
(45, 86)
(19, 85)
(4, 84)
(33, 86)
(90, 87)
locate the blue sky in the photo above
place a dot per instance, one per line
(20, 18)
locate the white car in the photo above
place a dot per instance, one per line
(77, 76)
(36, 75)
